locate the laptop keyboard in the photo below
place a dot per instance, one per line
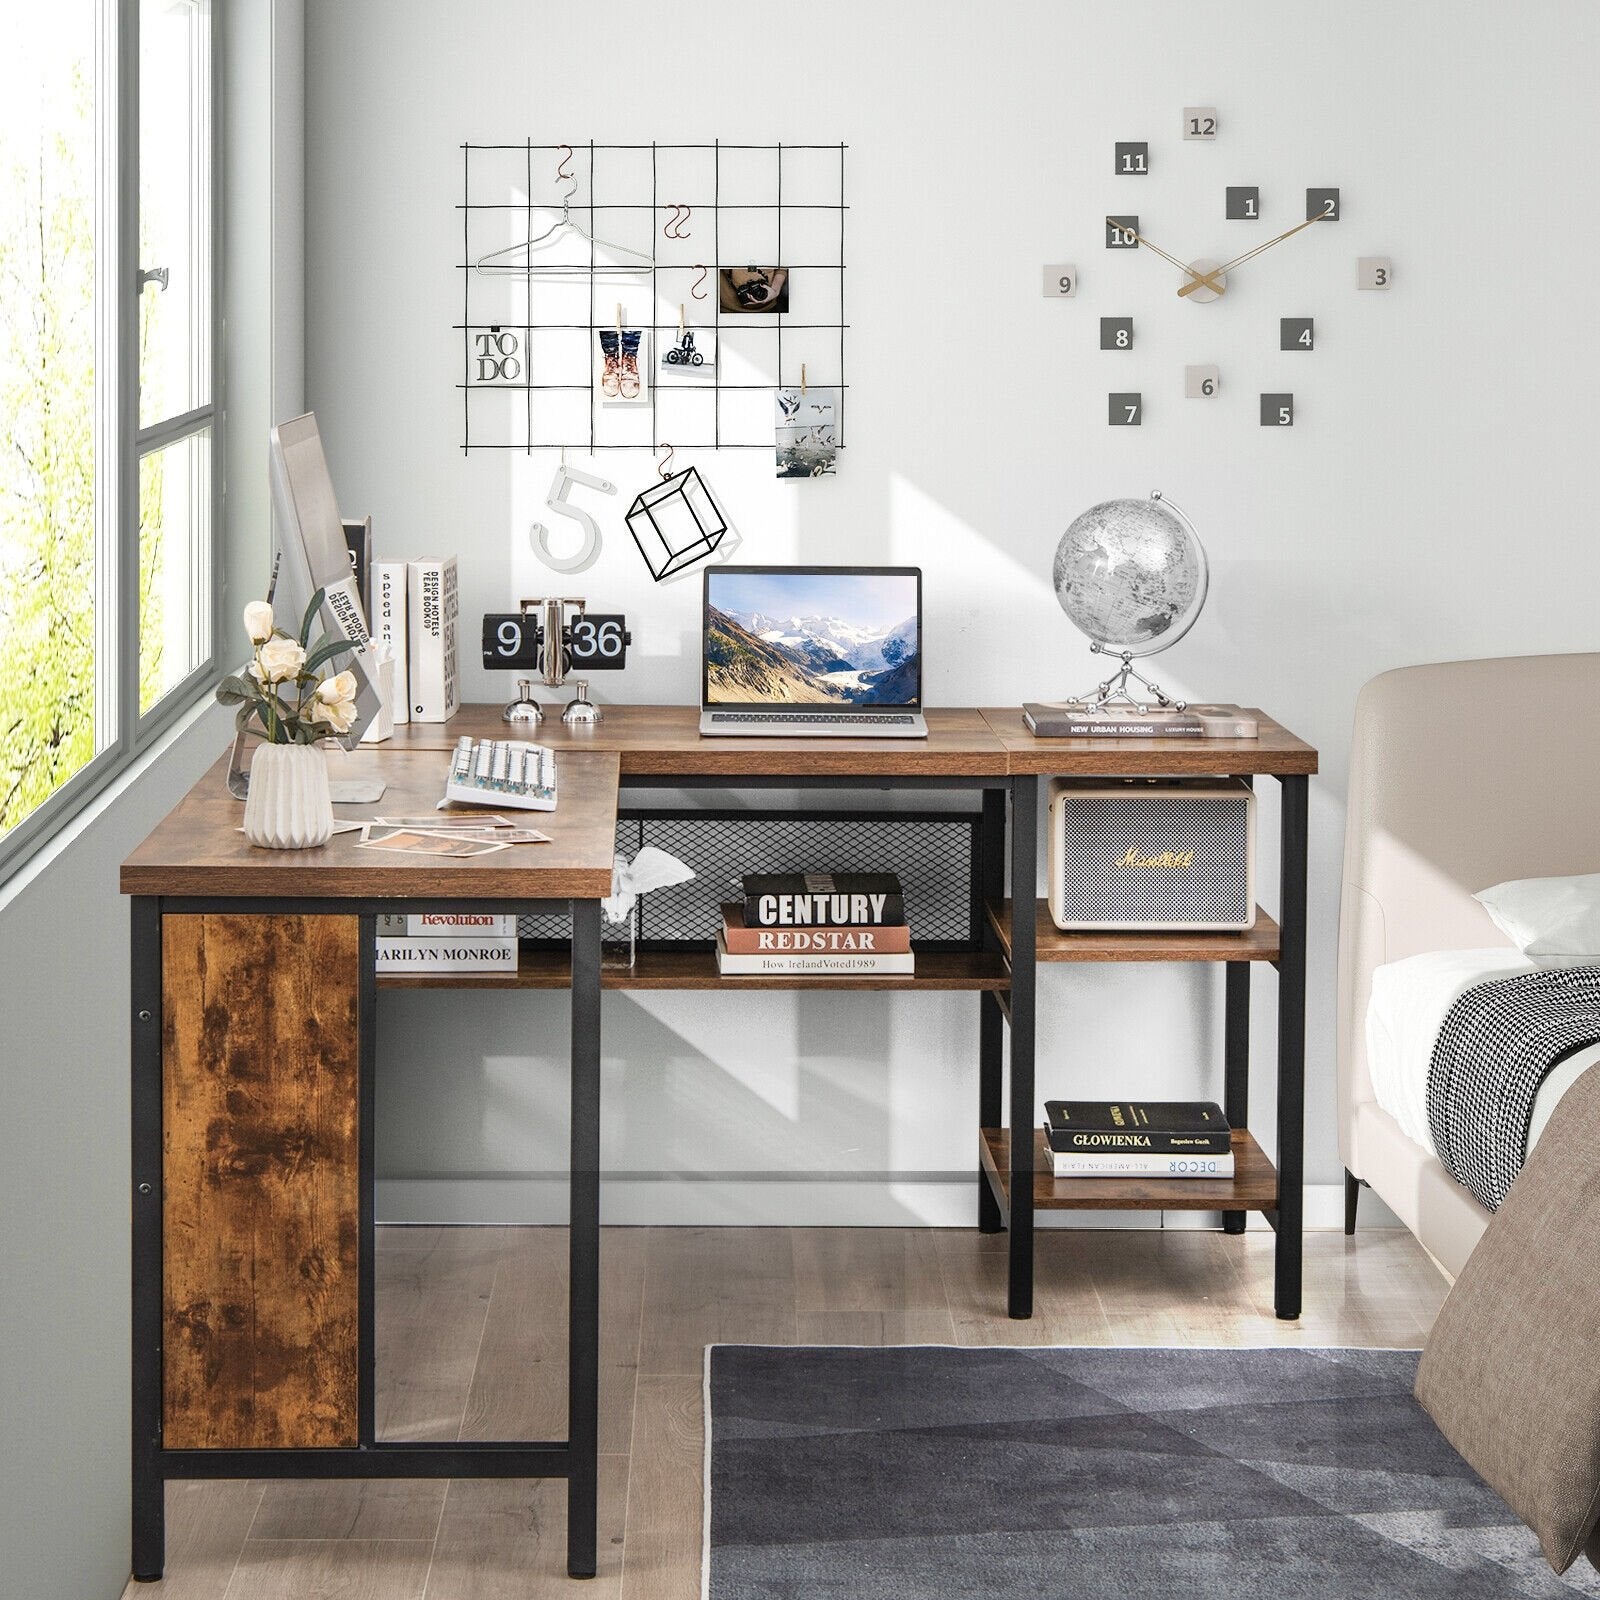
(825, 718)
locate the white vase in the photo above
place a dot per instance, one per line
(287, 807)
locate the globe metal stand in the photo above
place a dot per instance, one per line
(1114, 691)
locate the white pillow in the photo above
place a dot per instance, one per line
(1555, 921)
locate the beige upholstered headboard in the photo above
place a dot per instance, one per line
(1462, 775)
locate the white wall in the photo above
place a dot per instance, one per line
(1432, 502)
(64, 1175)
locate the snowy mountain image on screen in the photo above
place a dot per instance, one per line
(755, 656)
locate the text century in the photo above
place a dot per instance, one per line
(813, 910)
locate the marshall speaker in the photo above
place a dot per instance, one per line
(1176, 853)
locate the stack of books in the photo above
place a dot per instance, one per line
(455, 941)
(1138, 1138)
(820, 924)
(418, 615)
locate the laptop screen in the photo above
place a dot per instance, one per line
(813, 636)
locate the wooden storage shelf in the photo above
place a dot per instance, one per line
(1253, 1187)
(696, 968)
(1259, 943)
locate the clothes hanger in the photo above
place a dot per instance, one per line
(497, 261)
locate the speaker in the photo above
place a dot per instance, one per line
(1174, 853)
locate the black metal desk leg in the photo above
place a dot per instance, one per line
(991, 1060)
(1024, 896)
(991, 886)
(1291, 1047)
(149, 1509)
(583, 1308)
(1236, 1062)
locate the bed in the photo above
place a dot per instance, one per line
(1462, 775)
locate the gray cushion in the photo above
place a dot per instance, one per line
(1511, 1372)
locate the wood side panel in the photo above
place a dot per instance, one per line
(261, 1180)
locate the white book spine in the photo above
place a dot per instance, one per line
(1071, 1165)
(857, 964)
(389, 604)
(433, 603)
(447, 955)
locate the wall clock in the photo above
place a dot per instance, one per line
(1202, 280)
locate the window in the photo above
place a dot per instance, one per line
(107, 393)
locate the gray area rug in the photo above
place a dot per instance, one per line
(930, 1472)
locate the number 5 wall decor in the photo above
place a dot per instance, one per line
(561, 486)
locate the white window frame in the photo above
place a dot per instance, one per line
(121, 444)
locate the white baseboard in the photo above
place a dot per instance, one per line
(712, 1200)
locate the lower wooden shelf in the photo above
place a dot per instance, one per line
(1253, 1187)
(696, 968)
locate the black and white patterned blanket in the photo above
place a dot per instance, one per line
(1498, 1044)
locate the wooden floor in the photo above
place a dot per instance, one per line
(471, 1324)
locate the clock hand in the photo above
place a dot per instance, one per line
(1205, 282)
(1182, 266)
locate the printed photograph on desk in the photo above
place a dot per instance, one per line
(447, 822)
(453, 845)
(806, 435)
(622, 365)
(745, 290)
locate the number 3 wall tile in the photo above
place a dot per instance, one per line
(1374, 272)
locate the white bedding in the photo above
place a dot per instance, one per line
(1410, 1000)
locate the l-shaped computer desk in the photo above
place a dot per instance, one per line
(254, 1001)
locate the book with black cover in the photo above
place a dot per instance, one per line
(1191, 1127)
(822, 900)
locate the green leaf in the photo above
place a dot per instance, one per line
(234, 690)
(311, 616)
(325, 652)
(245, 716)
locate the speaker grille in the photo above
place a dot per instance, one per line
(1093, 834)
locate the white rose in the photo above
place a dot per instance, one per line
(336, 714)
(341, 686)
(258, 621)
(277, 661)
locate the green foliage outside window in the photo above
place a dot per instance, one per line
(47, 469)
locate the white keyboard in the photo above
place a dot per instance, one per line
(502, 772)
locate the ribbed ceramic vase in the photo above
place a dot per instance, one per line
(287, 807)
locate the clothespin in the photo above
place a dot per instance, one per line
(680, 321)
(619, 320)
(802, 377)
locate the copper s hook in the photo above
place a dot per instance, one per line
(661, 466)
(562, 175)
(694, 289)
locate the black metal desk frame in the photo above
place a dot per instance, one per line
(1287, 1218)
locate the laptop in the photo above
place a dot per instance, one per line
(819, 652)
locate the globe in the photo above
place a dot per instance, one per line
(1131, 575)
